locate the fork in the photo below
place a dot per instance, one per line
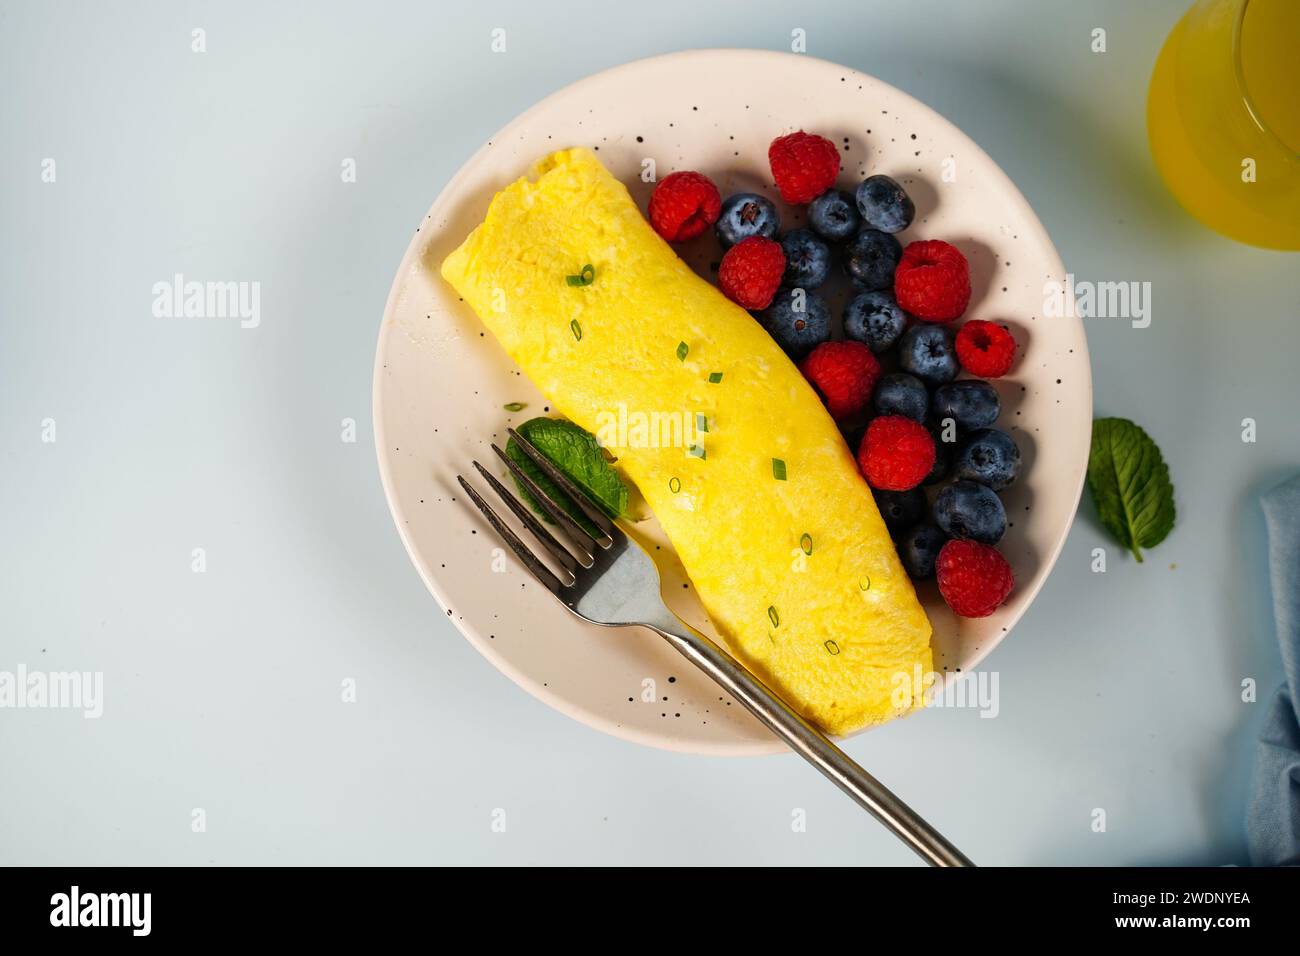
(606, 578)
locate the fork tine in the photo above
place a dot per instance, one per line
(557, 550)
(575, 531)
(589, 508)
(540, 571)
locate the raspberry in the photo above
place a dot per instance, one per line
(803, 165)
(985, 349)
(844, 374)
(751, 272)
(973, 578)
(683, 205)
(932, 281)
(896, 453)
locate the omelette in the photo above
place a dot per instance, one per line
(730, 446)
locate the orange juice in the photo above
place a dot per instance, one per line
(1223, 116)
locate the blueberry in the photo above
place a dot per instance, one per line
(918, 550)
(968, 510)
(875, 320)
(901, 394)
(834, 215)
(971, 403)
(744, 215)
(798, 320)
(989, 456)
(900, 509)
(884, 204)
(943, 456)
(870, 259)
(807, 259)
(926, 350)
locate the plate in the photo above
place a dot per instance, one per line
(442, 383)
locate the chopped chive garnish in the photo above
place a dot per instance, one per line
(715, 378)
(865, 584)
(773, 616)
(832, 647)
(674, 485)
(515, 406)
(701, 422)
(586, 277)
(682, 349)
(778, 469)
(576, 329)
(805, 542)
(696, 451)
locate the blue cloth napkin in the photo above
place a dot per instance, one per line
(1273, 816)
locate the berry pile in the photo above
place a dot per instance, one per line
(891, 381)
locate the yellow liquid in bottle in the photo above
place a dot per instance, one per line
(1223, 117)
(1270, 34)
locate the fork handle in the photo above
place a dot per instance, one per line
(811, 744)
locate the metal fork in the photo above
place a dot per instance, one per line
(609, 579)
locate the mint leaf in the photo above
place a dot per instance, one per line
(576, 453)
(1129, 482)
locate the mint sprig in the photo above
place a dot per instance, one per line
(575, 452)
(1129, 483)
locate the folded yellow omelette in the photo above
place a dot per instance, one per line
(730, 446)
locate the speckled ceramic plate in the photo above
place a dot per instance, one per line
(441, 383)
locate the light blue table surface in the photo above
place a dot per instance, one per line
(1119, 691)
